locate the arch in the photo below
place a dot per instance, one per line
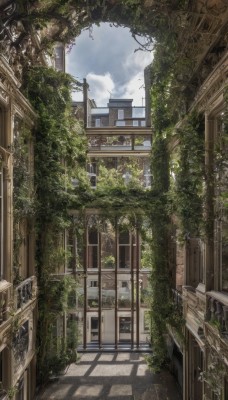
(68, 18)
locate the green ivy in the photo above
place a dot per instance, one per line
(59, 150)
(187, 192)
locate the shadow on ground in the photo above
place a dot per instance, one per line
(112, 376)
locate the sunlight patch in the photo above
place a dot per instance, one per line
(120, 390)
(86, 390)
(112, 370)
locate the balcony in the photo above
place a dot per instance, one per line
(25, 292)
(119, 143)
(217, 312)
(4, 300)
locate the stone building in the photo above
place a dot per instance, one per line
(18, 286)
(111, 304)
(200, 265)
(111, 309)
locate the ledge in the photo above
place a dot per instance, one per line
(220, 296)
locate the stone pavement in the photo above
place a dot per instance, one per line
(112, 376)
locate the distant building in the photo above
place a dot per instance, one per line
(112, 305)
(119, 113)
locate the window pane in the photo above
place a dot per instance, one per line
(108, 290)
(93, 236)
(124, 237)
(92, 257)
(120, 123)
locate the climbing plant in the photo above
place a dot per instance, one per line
(188, 172)
(215, 373)
(59, 150)
(23, 193)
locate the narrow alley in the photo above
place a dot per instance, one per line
(112, 376)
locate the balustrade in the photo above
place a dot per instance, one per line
(177, 298)
(4, 300)
(217, 312)
(25, 291)
(121, 142)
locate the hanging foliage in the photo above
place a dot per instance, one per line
(60, 149)
(188, 172)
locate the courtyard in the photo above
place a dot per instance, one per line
(112, 376)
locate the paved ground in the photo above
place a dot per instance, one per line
(112, 376)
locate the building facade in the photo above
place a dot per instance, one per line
(112, 307)
(18, 284)
(201, 264)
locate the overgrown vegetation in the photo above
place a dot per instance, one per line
(23, 193)
(187, 173)
(60, 149)
(215, 373)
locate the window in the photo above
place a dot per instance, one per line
(146, 321)
(135, 123)
(97, 122)
(59, 58)
(94, 328)
(92, 173)
(125, 325)
(124, 284)
(124, 249)
(71, 250)
(120, 123)
(120, 114)
(93, 283)
(143, 123)
(93, 248)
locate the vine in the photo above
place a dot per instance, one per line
(24, 206)
(188, 171)
(60, 149)
(215, 374)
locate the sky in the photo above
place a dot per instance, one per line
(106, 57)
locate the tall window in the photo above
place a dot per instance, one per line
(93, 248)
(124, 249)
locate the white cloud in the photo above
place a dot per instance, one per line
(109, 63)
(134, 89)
(100, 87)
(137, 61)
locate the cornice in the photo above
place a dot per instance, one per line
(213, 86)
(10, 93)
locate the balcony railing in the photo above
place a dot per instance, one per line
(4, 300)
(119, 143)
(25, 292)
(177, 298)
(217, 311)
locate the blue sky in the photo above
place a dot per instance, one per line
(105, 57)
